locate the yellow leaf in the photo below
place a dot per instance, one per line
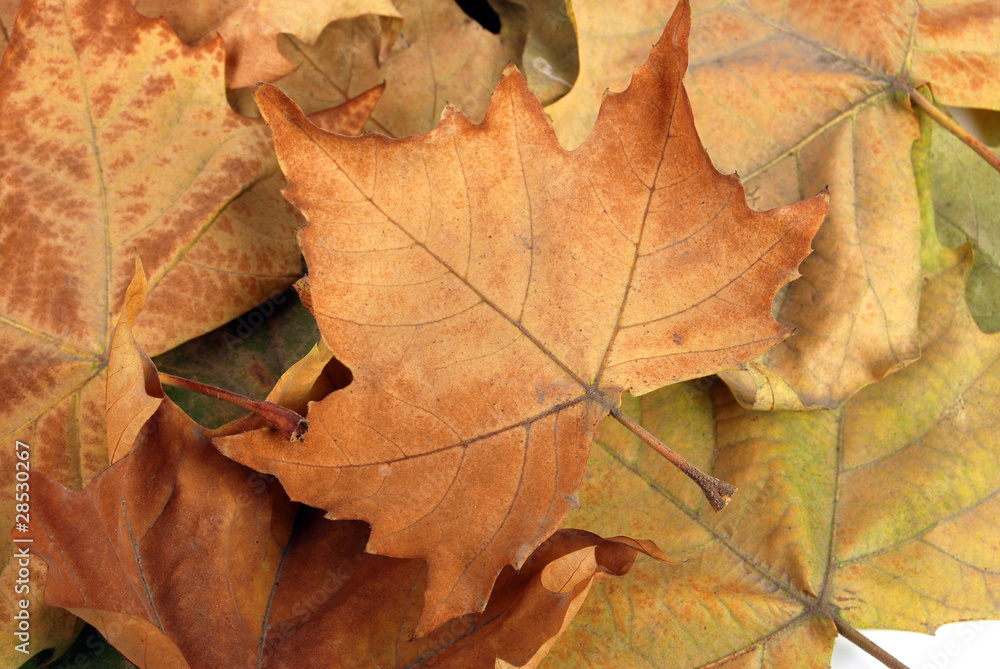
(881, 514)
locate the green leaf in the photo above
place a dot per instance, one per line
(966, 194)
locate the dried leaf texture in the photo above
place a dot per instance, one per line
(443, 56)
(876, 513)
(956, 46)
(116, 138)
(799, 96)
(174, 539)
(493, 294)
(251, 28)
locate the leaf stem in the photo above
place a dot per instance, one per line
(286, 420)
(952, 126)
(866, 644)
(717, 492)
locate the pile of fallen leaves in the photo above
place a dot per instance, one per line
(520, 309)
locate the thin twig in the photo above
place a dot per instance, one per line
(952, 126)
(717, 492)
(866, 644)
(286, 420)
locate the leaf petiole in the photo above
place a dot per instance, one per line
(866, 644)
(717, 492)
(286, 420)
(952, 126)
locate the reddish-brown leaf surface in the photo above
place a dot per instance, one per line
(250, 29)
(183, 558)
(494, 294)
(116, 138)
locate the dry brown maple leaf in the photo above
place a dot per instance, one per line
(251, 28)
(183, 558)
(442, 56)
(494, 294)
(115, 137)
(798, 95)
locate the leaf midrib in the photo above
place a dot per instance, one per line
(102, 186)
(589, 390)
(305, 131)
(719, 536)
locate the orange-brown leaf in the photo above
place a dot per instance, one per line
(494, 294)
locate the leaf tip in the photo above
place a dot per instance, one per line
(271, 101)
(509, 69)
(511, 76)
(679, 27)
(135, 294)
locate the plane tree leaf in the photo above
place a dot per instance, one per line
(277, 586)
(442, 56)
(878, 515)
(494, 294)
(115, 137)
(798, 96)
(251, 28)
